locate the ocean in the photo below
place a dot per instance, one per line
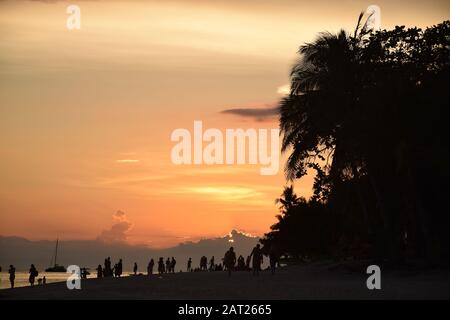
(22, 278)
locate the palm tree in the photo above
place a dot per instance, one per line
(317, 115)
(288, 199)
(360, 109)
(321, 119)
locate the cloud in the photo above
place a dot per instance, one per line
(284, 89)
(226, 193)
(127, 161)
(269, 111)
(118, 231)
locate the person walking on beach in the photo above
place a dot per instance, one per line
(107, 271)
(204, 263)
(33, 274)
(99, 271)
(229, 260)
(247, 263)
(110, 270)
(84, 273)
(135, 268)
(189, 265)
(273, 258)
(173, 264)
(150, 267)
(211, 264)
(12, 275)
(119, 268)
(240, 263)
(161, 265)
(257, 259)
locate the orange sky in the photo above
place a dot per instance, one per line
(73, 103)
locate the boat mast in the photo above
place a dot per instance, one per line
(56, 250)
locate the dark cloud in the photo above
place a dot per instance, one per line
(118, 231)
(258, 114)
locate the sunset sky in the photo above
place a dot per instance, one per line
(86, 115)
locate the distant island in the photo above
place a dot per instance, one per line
(89, 253)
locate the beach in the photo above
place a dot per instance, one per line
(321, 280)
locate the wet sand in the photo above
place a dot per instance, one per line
(314, 281)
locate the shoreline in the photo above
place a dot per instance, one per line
(314, 281)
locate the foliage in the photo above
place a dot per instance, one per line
(366, 113)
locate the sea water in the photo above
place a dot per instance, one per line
(22, 278)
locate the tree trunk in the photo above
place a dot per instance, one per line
(389, 238)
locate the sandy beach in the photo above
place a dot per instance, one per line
(314, 281)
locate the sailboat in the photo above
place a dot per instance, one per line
(56, 267)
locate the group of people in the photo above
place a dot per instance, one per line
(204, 265)
(255, 258)
(31, 279)
(167, 267)
(163, 267)
(108, 271)
(230, 263)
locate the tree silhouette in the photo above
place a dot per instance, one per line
(366, 113)
(288, 199)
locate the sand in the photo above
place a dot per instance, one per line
(314, 281)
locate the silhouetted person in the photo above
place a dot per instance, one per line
(173, 264)
(241, 263)
(229, 260)
(257, 259)
(211, 264)
(168, 265)
(84, 273)
(203, 263)
(12, 275)
(273, 258)
(99, 271)
(247, 262)
(161, 265)
(108, 272)
(150, 267)
(105, 269)
(33, 274)
(135, 268)
(119, 268)
(189, 265)
(44, 280)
